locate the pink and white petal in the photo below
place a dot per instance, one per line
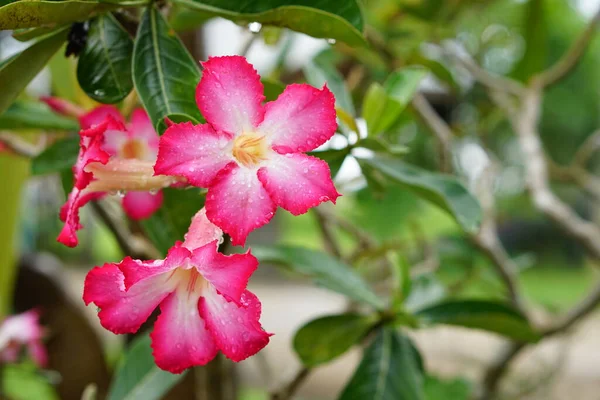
(230, 94)
(141, 205)
(228, 274)
(123, 311)
(98, 115)
(235, 328)
(196, 152)
(37, 352)
(201, 231)
(135, 271)
(180, 339)
(297, 182)
(238, 203)
(141, 128)
(301, 119)
(69, 214)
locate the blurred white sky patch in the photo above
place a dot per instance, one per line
(588, 7)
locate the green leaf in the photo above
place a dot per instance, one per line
(382, 105)
(536, 34)
(444, 191)
(164, 73)
(35, 13)
(27, 34)
(272, 88)
(326, 271)
(138, 377)
(24, 382)
(446, 389)
(481, 314)
(321, 70)
(389, 370)
(104, 67)
(61, 155)
(340, 20)
(19, 70)
(18, 116)
(172, 220)
(323, 339)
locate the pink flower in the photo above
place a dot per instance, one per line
(249, 155)
(22, 330)
(202, 296)
(113, 157)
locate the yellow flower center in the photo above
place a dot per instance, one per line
(250, 149)
(133, 148)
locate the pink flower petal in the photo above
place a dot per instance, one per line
(98, 115)
(37, 352)
(230, 94)
(201, 231)
(141, 128)
(123, 311)
(196, 152)
(297, 182)
(238, 203)
(135, 271)
(90, 151)
(180, 339)
(235, 328)
(301, 119)
(228, 274)
(63, 107)
(69, 214)
(141, 205)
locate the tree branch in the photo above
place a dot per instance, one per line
(329, 241)
(288, 390)
(577, 313)
(439, 127)
(571, 58)
(525, 127)
(486, 78)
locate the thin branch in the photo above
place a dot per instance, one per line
(587, 150)
(288, 390)
(248, 42)
(127, 242)
(577, 313)
(438, 126)
(488, 242)
(498, 369)
(329, 241)
(571, 58)
(534, 158)
(488, 79)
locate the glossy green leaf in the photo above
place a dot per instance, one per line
(27, 34)
(322, 70)
(444, 191)
(323, 339)
(35, 13)
(138, 377)
(340, 20)
(272, 88)
(164, 73)
(19, 70)
(19, 116)
(172, 220)
(382, 105)
(25, 382)
(326, 271)
(61, 155)
(481, 314)
(390, 370)
(104, 67)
